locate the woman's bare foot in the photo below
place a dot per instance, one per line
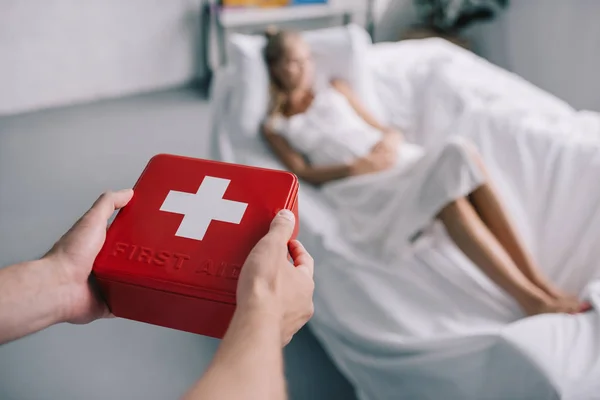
(567, 299)
(551, 305)
(570, 300)
(585, 307)
(558, 294)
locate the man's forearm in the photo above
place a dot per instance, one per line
(248, 363)
(31, 299)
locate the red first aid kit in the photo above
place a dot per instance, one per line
(173, 255)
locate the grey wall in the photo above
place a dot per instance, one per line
(61, 52)
(56, 52)
(392, 17)
(553, 43)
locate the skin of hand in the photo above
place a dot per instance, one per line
(57, 287)
(377, 160)
(269, 281)
(390, 141)
(72, 258)
(274, 300)
(382, 156)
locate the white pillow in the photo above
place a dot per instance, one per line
(339, 52)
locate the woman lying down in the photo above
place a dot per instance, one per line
(388, 191)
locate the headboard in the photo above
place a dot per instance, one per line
(218, 22)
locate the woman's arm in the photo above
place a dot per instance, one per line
(391, 137)
(358, 106)
(345, 89)
(297, 164)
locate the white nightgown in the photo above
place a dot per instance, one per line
(380, 212)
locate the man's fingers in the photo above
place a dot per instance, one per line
(302, 259)
(108, 202)
(122, 198)
(282, 225)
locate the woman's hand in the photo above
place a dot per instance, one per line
(375, 161)
(390, 141)
(382, 156)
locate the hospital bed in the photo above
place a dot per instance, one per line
(432, 326)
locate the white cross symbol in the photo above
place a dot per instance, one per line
(202, 207)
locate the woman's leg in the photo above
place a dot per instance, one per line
(492, 212)
(494, 216)
(474, 238)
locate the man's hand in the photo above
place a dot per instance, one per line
(270, 284)
(73, 256)
(56, 288)
(274, 300)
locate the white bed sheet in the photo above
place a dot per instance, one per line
(435, 327)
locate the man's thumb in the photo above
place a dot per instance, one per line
(283, 224)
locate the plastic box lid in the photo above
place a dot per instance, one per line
(191, 224)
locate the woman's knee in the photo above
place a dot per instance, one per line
(475, 155)
(452, 208)
(463, 147)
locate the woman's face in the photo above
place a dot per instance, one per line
(296, 68)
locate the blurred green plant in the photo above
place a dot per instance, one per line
(453, 16)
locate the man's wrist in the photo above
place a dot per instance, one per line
(60, 287)
(249, 321)
(258, 307)
(53, 290)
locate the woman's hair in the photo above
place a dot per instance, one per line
(274, 52)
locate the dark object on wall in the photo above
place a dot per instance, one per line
(424, 33)
(453, 16)
(370, 22)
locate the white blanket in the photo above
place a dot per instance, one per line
(383, 214)
(433, 326)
